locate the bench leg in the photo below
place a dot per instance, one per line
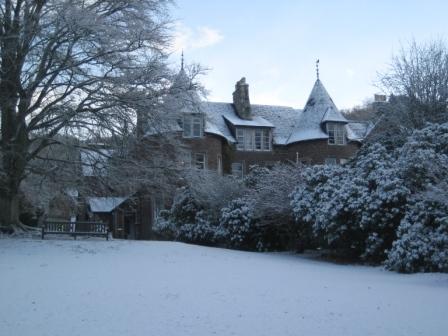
(42, 232)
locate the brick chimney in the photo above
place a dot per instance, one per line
(241, 100)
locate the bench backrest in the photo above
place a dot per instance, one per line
(81, 227)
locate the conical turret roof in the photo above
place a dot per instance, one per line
(318, 109)
(183, 96)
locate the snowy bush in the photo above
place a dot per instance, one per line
(184, 207)
(361, 208)
(422, 243)
(164, 227)
(237, 224)
(353, 209)
(212, 191)
(269, 189)
(201, 231)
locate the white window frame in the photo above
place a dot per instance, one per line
(253, 139)
(336, 134)
(238, 169)
(193, 125)
(240, 138)
(199, 161)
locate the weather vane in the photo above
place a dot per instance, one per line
(317, 68)
(182, 60)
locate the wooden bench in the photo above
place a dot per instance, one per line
(75, 229)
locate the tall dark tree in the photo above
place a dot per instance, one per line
(74, 66)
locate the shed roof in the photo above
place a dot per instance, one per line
(105, 204)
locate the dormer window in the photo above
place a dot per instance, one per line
(253, 139)
(336, 134)
(193, 125)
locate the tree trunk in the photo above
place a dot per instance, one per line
(9, 211)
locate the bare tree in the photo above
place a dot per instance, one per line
(417, 82)
(81, 67)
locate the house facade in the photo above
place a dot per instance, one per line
(231, 137)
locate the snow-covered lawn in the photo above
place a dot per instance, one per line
(97, 287)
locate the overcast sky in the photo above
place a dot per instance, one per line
(275, 44)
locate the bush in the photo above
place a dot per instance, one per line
(354, 209)
(269, 189)
(201, 232)
(164, 227)
(184, 208)
(237, 224)
(422, 243)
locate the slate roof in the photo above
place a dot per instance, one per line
(289, 125)
(282, 118)
(358, 130)
(105, 204)
(319, 109)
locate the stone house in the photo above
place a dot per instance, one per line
(230, 137)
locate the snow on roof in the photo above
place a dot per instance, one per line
(94, 162)
(104, 204)
(333, 115)
(358, 130)
(289, 125)
(254, 122)
(306, 135)
(211, 128)
(281, 118)
(319, 108)
(214, 119)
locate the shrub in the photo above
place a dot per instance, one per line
(422, 243)
(164, 227)
(201, 232)
(354, 209)
(237, 224)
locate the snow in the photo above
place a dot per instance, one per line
(318, 109)
(289, 125)
(104, 204)
(67, 287)
(307, 134)
(254, 122)
(358, 130)
(333, 115)
(282, 118)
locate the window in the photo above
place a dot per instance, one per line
(331, 161)
(239, 139)
(193, 125)
(343, 161)
(250, 139)
(237, 169)
(336, 134)
(198, 161)
(258, 137)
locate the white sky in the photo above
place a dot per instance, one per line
(275, 44)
